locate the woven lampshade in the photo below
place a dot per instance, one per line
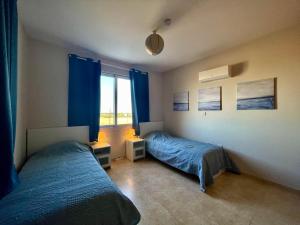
(154, 44)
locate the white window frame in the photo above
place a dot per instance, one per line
(115, 76)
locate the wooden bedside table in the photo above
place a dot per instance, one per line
(103, 153)
(135, 149)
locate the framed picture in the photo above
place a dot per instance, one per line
(209, 99)
(256, 95)
(181, 101)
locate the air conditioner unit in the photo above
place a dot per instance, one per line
(218, 73)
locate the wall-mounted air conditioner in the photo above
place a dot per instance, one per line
(218, 73)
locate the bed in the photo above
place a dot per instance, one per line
(64, 184)
(202, 159)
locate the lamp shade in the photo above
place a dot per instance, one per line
(154, 44)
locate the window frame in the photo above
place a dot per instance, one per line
(115, 76)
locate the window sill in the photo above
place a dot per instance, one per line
(116, 126)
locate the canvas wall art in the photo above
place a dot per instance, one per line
(181, 101)
(256, 95)
(209, 99)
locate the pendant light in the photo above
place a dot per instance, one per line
(154, 42)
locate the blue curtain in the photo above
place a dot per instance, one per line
(8, 94)
(139, 98)
(84, 94)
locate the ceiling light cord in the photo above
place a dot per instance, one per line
(167, 22)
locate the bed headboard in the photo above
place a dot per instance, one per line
(148, 127)
(40, 138)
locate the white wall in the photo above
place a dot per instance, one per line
(264, 143)
(48, 85)
(21, 124)
(155, 92)
(48, 91)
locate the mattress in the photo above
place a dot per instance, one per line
(202, 159)
(64, 184)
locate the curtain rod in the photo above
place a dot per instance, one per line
(110, 73)
(120, 67)
(103, 63)
(83, 58)
(114, 66)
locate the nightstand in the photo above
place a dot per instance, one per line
(135, 149)
(103, 153)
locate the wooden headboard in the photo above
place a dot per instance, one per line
(40, 138)
(148, 127)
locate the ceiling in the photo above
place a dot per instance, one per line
(117, 29)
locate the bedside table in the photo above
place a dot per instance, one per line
(103, 153)
(135, 149)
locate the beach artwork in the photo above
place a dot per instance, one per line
(209, 99)
(181, 101)
(256, 95)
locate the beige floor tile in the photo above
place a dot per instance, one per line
(165, 196)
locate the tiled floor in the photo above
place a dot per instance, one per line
(165, 196)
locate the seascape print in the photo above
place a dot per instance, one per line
(256, 95)
(209, 99)
(181, 101)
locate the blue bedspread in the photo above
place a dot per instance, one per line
(202, 159)
(64, 184)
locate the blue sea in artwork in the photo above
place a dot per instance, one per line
(267, 102)
(181, 106)
(209, 106)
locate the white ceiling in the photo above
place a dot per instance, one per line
(117, 29)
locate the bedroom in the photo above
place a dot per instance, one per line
(221, 94)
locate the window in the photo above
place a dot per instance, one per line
(115, 101)
(107, 107)
(124, 115)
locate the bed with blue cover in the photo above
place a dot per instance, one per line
(64, 184)
(193, 157)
